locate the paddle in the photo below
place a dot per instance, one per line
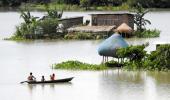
(23, 82)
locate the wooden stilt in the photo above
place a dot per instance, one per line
(104, 59)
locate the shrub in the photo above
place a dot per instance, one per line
(69, 36)
(34, 28)
(159, 59)
(148, 33)
(23, 30)
(138, 59)
(113, 63)
(82, 36)
(48, 25)
(77, 65)
(135, 56)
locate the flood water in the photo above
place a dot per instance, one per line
(17, 59)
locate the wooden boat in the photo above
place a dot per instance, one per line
(50, 81)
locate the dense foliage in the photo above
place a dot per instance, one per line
(81, 36)
(132, 53)
(113, 64)
(132, 3)
(15, 3)
(139, 19)
(38, 28)
(137, 58)
(48, 26)
(134, 58)
(147, 33)
(141, 22)
(159, 59)
(77, 65)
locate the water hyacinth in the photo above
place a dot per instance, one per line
(77, 65)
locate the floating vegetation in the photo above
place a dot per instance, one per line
(77, 65)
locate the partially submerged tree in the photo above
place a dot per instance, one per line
(135, 55)
(29, 24)
(27, 17)
(139, 19)
(35, 28)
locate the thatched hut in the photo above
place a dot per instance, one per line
(108, 47)
(124, 30)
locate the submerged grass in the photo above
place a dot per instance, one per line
(17, 38)
(77, 65)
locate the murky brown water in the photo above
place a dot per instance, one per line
(17, 59)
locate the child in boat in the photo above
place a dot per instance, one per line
(43, 79)
(52, 77)
(31, 77)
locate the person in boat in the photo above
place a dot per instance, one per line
(31, 77)
(43, 79)
(52, 77)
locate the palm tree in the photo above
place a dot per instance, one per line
(139, 19)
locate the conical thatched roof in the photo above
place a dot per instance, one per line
(109, 46)
(124, 28)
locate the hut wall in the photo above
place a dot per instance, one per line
(131, 21)
(70, 22)
(112, 19)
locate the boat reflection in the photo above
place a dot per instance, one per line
(50, 87)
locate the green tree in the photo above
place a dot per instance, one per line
(139, 19)
(160, 58)
(133, 53)
(85, 3)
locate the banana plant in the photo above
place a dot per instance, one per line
(28, 19)
(139, 19)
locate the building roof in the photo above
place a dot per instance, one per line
(124, 28)
(114, 13)
(91, 29)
